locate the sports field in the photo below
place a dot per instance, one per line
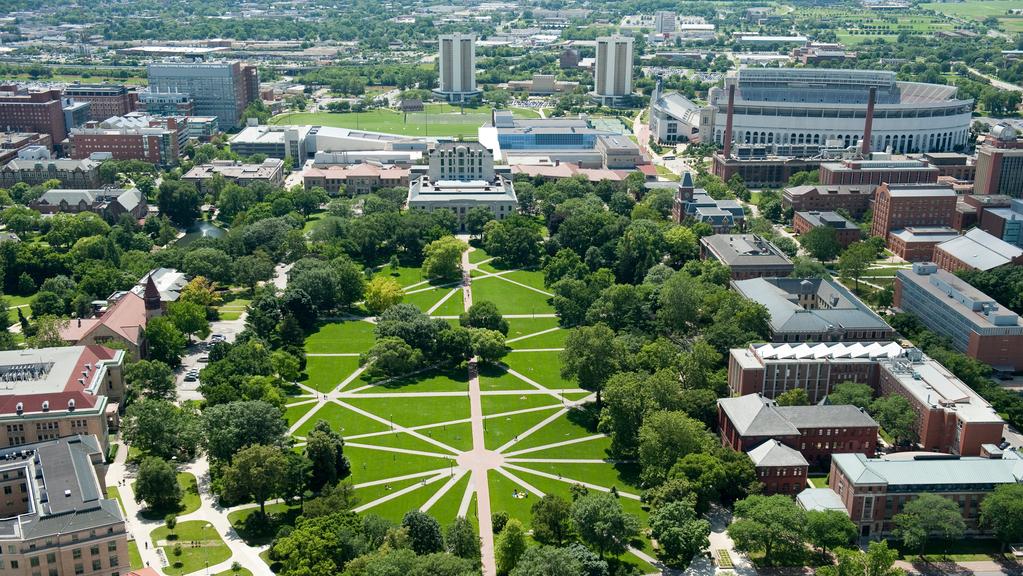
(980, 10)
(854, 26)
(437, 120)
(405, 437)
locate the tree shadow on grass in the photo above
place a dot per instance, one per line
(585, 415)
(456, 373)
(258, 530)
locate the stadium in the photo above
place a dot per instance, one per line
(810, 106)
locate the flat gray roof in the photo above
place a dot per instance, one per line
(933, 472)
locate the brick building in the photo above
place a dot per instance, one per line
(1004, 221)
(771, 369)
(56, 518)
(106, 100)
(976, 250)
(1000, 162)
(779, 468)
(70, 173)
(38, 111)
(109, 203)
(13, 142)
(846, 231)
(815, 432)
(976, 324)
(854, 199)
(355, 179)
(695, 205)
(902, 206)
(917, 243)
(271, 171)
(746, 255)
(156, 140)
(875, 172)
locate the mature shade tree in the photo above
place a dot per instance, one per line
(462, 541)
(179, 201)
(664, 438)
(858, 395)
(879, 560)
(252, 269)
(566, 263)
(794, 397)
(391, 356)
(211, 263)
(320, 545)
(680, 533)
(256, 472)
(159, 428)
(382, 293)
(150, 379)
(516, 241)
(896, 416)
(484, 314)
(325, 448)
(681, 244)
(510, 546)
(829, 529)
(548, 561)
(166, 342)
(767, 523)
(926, 516)
(409, 323)
(855, 261)
(476, 218)
(423, 532)
(591, 356)
(488, 345)
(602, 523)
(1002, 512)
(453, 346)
(551, 520)
(47, 332)
(631, 396)
(157, 485)
(332, 499)
(189, 318)
(230, 427)
(822, 243)
(623, 307)
(803, 267)
(443, 258)
(640, 248)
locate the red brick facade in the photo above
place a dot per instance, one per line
(33, 112)
(894, 210)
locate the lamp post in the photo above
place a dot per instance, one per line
(205, 548)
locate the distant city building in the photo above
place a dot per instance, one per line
(1000, 163)
(274, 142)
(912, 205)
(109, 203)
(457, 67)
(976, 324)
(166, 103)
(11, 143)
(774, 106)
(814, 310)
(221, 89)
(569, 59)
(75, 113)
(355, 179)
(542, 85)
(746, 255)
(664, 21)
(157, 140)
(271, 172)
(976, 250)
(695, 205)
(818, 52)
(846, 231)
(70, 173)
(202, 128)
(613, 70)
(105, 100)
(821, 198)
(1004, 221)
(33, 111)
(460, 177)
(57, 512)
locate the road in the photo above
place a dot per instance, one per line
(1000, 84)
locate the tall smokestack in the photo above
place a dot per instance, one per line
(727, 137)
(868, 126)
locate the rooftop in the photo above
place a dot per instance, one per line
(812, 305)
(934, 386)
(831, 219)
(828, 350)
(920, 191)
(237, 170)
(934, 472)
(67, 378)
(423, 190)
(960, 297)
(754, 415)
(981, 250)
(774, 453)
(744, 250)
(829, 189)
(925, 234)
(820, 499)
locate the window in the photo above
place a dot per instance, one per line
(94, 551)
(113, 562)
(76, 553)
(33, 561)
(79, 569)
(51, 558)
(96, 565)
(111, 546)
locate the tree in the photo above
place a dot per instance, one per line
(679, 532)
(189, 318)
(179, 201)
(443, 258)
(392, 356)
(896, 416)
(664, 438)
(423, 532)
(829, 529)
(484, 314)
(591, 356)
(47, 332)
(551, 520)
(548, 561)
(794, 397)
(165, 341)
(476, 218)
(767, 523)
(252, 269)
(150, 379)
(157, 484)
(822, 243)
(1002, 512)
(320, 545)
(230, 427)
(925, 516)
(159, 428)
(877, 561)
(515, 241)
(257, 472)
(325, 448)
(855, 261)
(488, 345)
(601, 523)
(510, 546)
(382, 293)
(858, 395)
(462, 540)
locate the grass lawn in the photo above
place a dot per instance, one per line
(189, 498)
(281, 512)
(423, 410)
(567, 427)
(622, 476)
(113, 492)
(445, 510)
(369, 494)
(404, 275)
(544, 368)
(134, 556)
(240, 572)
(437, 120)
(455, 380)
(504, 428)
(554, 339)
(492, 378)
(324, 373)
(965, 550)
(453, 306)
(510, 298)
(663, 172)
(478, 255)
(198, 546)
(819, 481)
(369, 465)
(518, 327)
(343, 420)
(532, 278)
(595, 449)
(425, 299)
(511, 402)
(395, 509)
(458, 436)
(341, 337)
(293, 413)
(402, 440)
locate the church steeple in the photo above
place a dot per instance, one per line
(151, 296)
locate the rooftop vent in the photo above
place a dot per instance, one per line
(67, 493)
(70, 404)
(46, 405)
(19, 408)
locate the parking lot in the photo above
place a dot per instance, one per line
(188, 387)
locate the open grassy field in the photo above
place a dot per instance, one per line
(437, 120)
(200, 546)
(854, 26)
(981, 10)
